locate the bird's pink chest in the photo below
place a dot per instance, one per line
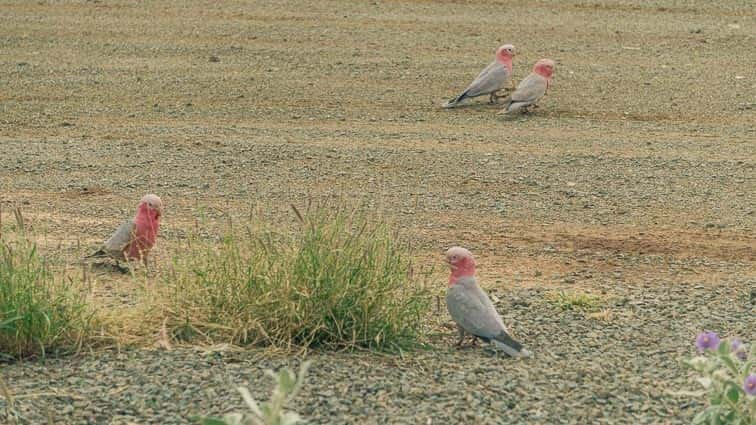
(145, 235)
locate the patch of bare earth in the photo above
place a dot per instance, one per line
(634, 181)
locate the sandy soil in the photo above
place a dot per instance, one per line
(638, 169)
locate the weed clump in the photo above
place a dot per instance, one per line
(39, 311)
(339, 282)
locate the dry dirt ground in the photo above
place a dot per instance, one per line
(635, 180)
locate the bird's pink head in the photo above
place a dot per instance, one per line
(461, 263)
(150, 208)
(504, 55)
(544, 68)
(146, 226)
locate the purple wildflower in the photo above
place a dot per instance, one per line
(707, 341)
(750, 385)
(737, 347)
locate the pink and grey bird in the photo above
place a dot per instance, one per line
(492, 79)
(531, 89)
(472, 310)
(134, 239)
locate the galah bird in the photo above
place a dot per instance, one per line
(531, 89)
(471, 308)
(134, 239)
(492, 79)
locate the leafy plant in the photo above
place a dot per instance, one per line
(287, 386)
(725, 372)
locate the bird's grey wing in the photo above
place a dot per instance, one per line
(532, 88)
(120, 239)
(486, 301)
(467, 308)
(492, 78)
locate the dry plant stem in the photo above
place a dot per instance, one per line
(9, 400)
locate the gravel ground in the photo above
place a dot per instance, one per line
(635, 181)
(619, 369)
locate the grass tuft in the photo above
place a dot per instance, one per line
(39, 311)
(574, 301)
(338, 282)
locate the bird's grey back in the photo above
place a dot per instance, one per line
(471, 309)
(491, 79)
(120, 239)
(532, 88)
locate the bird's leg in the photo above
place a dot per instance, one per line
(120, 268)
(512, 84)
(495, 96)
(461, 336)
(147, 269)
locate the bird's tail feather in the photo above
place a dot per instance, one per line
(455, 102)
(507, 103)
(512, 348)
(99, 253)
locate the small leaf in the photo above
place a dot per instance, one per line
(714, 416)
(730, 363)
(233, 419)
(733, 391)
(290, 418)
(723, 349)
(697, 363)
(747, 368)
(250, 401)
(705, 382)
(701, 417)
(286, 380)
(267, 412)
(715, 400)
(6, 322)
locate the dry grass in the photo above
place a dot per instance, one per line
(340, 281)
(40, 310)
(605, 315)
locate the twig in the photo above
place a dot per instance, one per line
(10, 402)
(19, 218)
(296, 211)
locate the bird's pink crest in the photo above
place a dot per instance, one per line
(544, 68)
(146, 226)
(504, 55)
(461, 262)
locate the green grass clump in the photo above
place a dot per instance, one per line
(338, 282)
(574, 301)
(39, 312)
